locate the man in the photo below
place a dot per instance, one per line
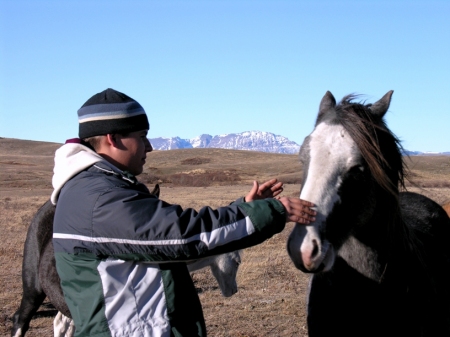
(120, 251)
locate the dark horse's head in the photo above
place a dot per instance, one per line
(352, 166)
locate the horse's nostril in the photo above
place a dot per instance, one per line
(315, 250)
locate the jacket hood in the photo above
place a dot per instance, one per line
(71, 159)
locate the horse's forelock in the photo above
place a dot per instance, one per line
(379, 147)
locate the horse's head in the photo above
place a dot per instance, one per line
(344, 167)
(224, 269)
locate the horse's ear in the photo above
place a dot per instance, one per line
(156, 190)
(380, 107)
(328, 102)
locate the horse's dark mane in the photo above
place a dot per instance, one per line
(382, 151)
(380, 148)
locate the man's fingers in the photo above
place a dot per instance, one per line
(270, 182)
(255, 188)
(276, 187)
(298, 210)
(303, 208)
(302, 219)
(306, 203)
(270, 188)
(275, 193)
(268, 185)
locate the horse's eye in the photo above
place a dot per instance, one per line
(357, 168)
(355, 172)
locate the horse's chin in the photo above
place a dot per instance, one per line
(229, 290)
(229, 293)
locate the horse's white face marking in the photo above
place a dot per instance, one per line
(332, 153)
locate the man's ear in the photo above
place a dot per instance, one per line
(111, 139)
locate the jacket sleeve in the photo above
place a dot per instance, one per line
(130, 224)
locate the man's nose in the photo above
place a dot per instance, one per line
(149, 147)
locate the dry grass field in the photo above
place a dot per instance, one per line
(271, 296)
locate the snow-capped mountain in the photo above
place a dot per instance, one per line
(419, 153)
(249, 140)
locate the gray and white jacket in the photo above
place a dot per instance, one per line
(120, 251)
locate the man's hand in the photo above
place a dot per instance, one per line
(298, 210)
(269, 189)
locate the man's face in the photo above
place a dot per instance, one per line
(132, 151)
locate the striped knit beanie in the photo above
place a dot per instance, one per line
(110, 111)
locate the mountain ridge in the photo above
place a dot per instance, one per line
(248, 141)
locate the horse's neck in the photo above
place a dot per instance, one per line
(201, 263)
(363, 258)
(370, 248)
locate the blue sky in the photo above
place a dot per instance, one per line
(220, 67)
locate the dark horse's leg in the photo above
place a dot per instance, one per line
(39, 232)
(50, 281)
